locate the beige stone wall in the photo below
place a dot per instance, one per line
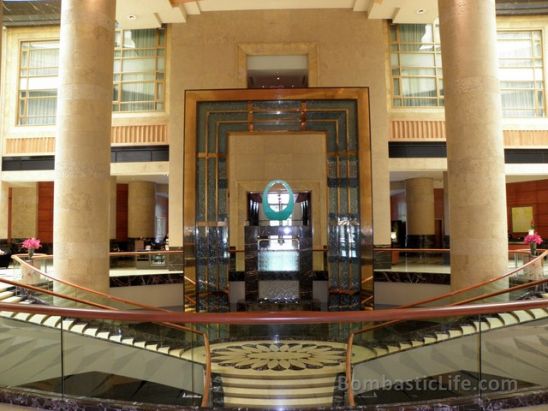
(24, 211)
(298, 159)
(207, 47)
(141, 203)
(419, 194)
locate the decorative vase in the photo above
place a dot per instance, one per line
(31, 253)
(533, 248)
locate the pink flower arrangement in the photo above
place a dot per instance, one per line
(533, 238)
(31, 244)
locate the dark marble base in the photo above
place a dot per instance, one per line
(52, 401)
(36, 399)
(149, 279)
(382, 259)
(412, 277)
(420, 241)
(278, 305)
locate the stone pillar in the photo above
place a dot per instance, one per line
(82, 147)
(419, 195)
(112, 209)
(475, 151)
(3, 186)
(141, 206)
(4, 204)
(446, 212)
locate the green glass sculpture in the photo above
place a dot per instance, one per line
(285, 212)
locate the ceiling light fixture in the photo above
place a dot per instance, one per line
(420, 11)
(132, 17)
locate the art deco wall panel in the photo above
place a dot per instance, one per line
(343, 115)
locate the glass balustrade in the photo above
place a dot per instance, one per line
(128, 361)
(450, 361)
(277, 360)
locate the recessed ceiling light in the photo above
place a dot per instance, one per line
(420, 11)
(131, 17)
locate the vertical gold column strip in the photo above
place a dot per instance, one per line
(347, 163)
(217, 227)
(366, 209)
(189, 184)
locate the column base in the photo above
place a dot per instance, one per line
(420, 240)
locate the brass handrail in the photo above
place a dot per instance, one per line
(350, 341)
(207, 375)
(17, 258)
(478, 285)
(111, 254)
(278, 317)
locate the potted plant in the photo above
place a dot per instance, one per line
(28, 275)
(31, 244)
(534, 240)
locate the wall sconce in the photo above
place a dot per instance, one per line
(393, 236)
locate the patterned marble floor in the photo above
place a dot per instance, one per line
(274, 358)
(278, 373)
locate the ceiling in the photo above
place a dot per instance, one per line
(153, 13)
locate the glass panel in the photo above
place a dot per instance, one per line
(419, 87)
(394, 364)
(415, 57)
(114, 359)
(38, 82)
(521, 76)
(513, 357)
(141, 62)
(417, 60)
(416, 33)
(31, 355)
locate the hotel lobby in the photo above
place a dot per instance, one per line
(273, 205)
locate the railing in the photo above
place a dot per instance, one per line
(76, 295)
(67, 343)
(122, 259)
(381, 331)
(392, 316)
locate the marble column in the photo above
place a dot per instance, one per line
(446, 212)
(141, 207)
(4, 197)
(419, 197)
(82, 147)
(475, 151)
(4, 204)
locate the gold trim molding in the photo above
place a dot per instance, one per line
(144, 134)
(434, 130)
(153, 134)
(25, 145)
(525, 138)
(417, 130)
